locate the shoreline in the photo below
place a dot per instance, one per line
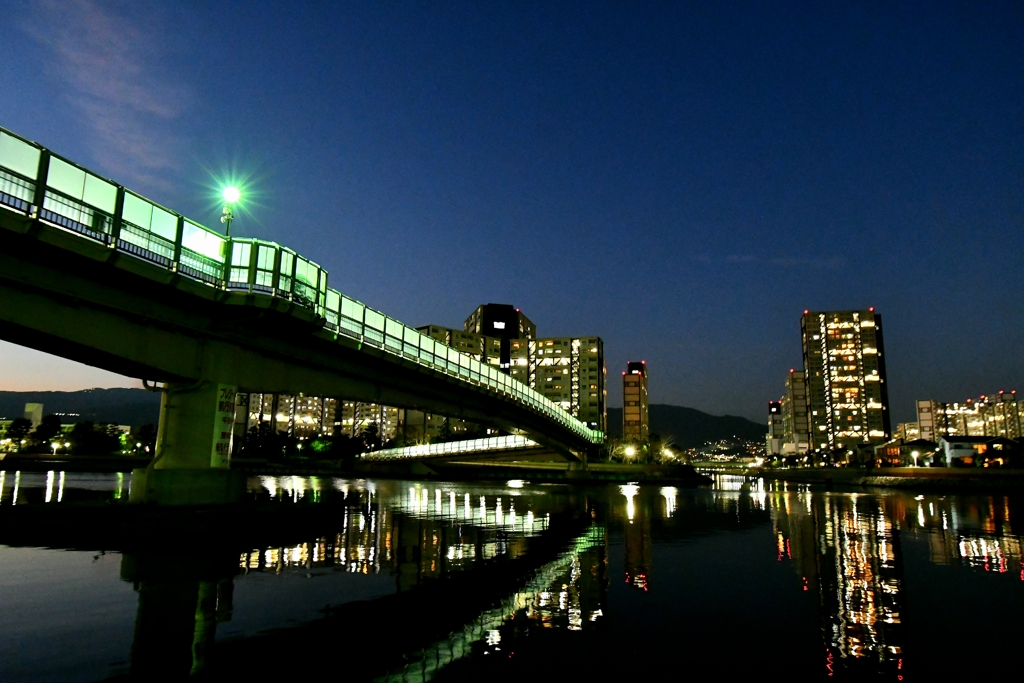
(960, 479)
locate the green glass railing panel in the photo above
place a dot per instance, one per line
(203, 242)
(287, 263)
(266, 256)
(81, 185)
(19, 156)
(374, 320)
(394, 328)
(351, 308)
(149, 217)
(333, 300)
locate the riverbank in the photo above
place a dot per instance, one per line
(676, 475)
(912, 478)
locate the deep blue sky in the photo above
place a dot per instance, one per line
(680, 179)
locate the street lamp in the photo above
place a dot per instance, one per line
(231, 196)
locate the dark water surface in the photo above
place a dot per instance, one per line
(412, 581)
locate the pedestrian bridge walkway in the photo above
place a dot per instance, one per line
(70, 233)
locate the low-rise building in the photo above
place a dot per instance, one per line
(980, 451)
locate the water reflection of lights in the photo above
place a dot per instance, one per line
(629, 491)
(670, 493)
(524, 603)
(515, 483)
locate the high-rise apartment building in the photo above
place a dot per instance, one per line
(568, 371)
(635, 419)
(844, 365)
(300, 416)
(908, 431)
(774, 440)
(795, 425)
(353, 419)
(788, 426)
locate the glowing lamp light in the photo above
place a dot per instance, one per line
(630, 451)
(231, 195)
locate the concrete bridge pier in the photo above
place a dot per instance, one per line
(193, 448)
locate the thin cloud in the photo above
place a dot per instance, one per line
(102, 58)
(781, 261)
(834, 262)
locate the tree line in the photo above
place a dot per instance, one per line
(84, 438)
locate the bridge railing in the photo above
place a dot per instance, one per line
(433, 450)
(37, 183)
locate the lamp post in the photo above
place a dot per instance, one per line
(231, 196)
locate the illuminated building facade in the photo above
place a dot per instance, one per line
(635, 418)
(844, 365)
(353, 419)
(796, 436)
(569, 371)
(999, 415)
(773, 444)
(300, 416)
(908, 431)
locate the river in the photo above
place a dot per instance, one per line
(448, 581)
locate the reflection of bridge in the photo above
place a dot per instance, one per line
(462, 561)
(96, 273)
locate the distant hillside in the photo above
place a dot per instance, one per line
(689, 427)
(133, 407)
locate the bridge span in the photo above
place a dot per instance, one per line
(95, 273)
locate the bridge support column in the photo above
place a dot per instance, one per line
(193, 449)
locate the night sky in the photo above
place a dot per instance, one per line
(681, 179)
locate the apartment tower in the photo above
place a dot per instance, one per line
(635, 422)
(844, 364)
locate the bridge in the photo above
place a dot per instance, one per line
(98, 274)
